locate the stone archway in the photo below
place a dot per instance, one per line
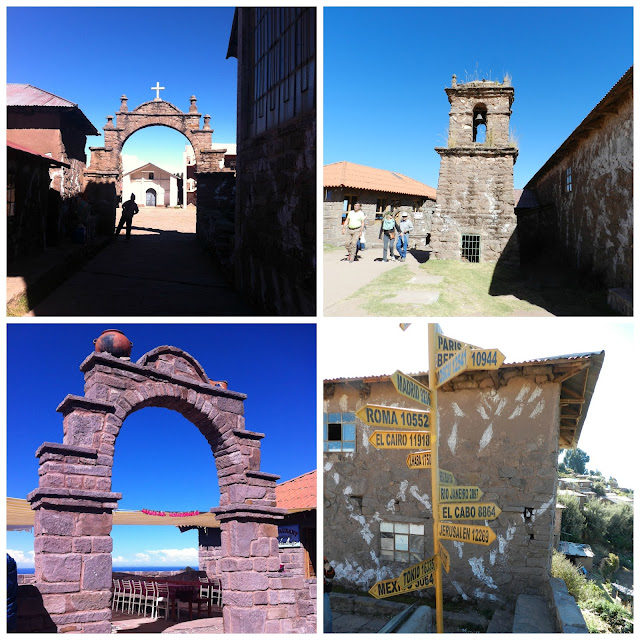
(102, 176)
(74, 502)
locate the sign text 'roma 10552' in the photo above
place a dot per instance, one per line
(379, 416)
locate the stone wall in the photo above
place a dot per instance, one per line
(420, 210)
(275, 246)
(499, 431)
(591, 227)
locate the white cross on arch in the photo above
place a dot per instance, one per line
(157, 89)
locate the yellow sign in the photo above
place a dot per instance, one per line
(484, 359)
(417, 572)
(446, 477)
(480, 511)
(419, 460)
(452, 367)
(400, 439)
(385, 588)
(444, 557)
(378, 416)
(411, 388)
(473, 533)
(446, 348)
(456, 493)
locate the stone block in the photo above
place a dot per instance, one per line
(93, 524)
(261, 547)
(52, 544)
(240, 598)
(261, 597)
(54, 603)
(60, 568)
(102, 544)
(273, 626)
(240, 620)
(54, 523)
(247, 581)
(90, 600)
(99, 615)
(96, 572)
(82, 545)
(97, 627)
(63, 587)
(241, 536)
(286, 596)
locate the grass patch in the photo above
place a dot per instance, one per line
(482, 289)
(18, 307)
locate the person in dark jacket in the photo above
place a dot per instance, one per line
(129, 209)
(329, 575)
(12, 594)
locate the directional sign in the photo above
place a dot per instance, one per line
(417, 572)
(400, 439)
(456, 493)
(473, 533)
(444, 557)
(485, 359)
(378, 416)
(385, 588)
(411, 388)
(419, 460)
(446, 477)
(452, 367)
(446, 348)
(471, 511)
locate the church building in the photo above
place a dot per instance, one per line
(151, 185)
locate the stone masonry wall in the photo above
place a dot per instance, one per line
(499, 431)
(275, 250)
(333, 215)
(592, 226)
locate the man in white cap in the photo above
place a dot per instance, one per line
(406, 226)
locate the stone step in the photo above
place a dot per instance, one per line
(502, 622)
(532, 616)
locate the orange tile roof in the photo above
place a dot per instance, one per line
(357, 176)
(298, 493)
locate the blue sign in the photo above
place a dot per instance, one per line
(289, 535)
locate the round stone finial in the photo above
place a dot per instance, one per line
(114, 342)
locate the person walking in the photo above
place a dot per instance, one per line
(353, 227)
(129, 209)
(388, 230)
(329, 575)
(405, 227)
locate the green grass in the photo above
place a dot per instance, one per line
(18, 307)
(465, 291)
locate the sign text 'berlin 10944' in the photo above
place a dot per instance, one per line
(400, 439)
(411, 388)
(379, 416)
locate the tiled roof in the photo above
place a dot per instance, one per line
(298, 493)
(357, 176)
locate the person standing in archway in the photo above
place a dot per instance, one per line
(129, 209)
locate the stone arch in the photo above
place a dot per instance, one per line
(103, 175)
(74, 500)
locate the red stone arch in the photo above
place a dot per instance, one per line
(102, 177)
(74, 501)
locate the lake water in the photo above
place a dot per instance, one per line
(31, 570)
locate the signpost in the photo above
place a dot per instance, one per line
(378, 416)
(419, 460)
(400, 439)
(473, 533)
(410, 388)
(451, 502)
(458, 511)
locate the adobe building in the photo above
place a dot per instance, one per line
(151, 185)
(474, 218)
(499, 430)
(579, 205)
(378, 191)
(275, 226)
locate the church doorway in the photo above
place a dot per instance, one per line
(151, 198)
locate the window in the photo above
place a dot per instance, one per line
(471, 247)
(348, 202)
(340, 432)
(150, 175)
(327, 195)
(568, 182)
(402, 541)
(11, 194)
(381, 207)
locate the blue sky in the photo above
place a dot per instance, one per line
(162, 462)
(104, 52)
(385, 70)
(608, 426)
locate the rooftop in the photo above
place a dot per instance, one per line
(358, 176)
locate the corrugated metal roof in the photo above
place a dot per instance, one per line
(52, 161)
(26, 95)
(358, 176)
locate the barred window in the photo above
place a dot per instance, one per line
(340, 432)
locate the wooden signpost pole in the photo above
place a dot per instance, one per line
(435, 472)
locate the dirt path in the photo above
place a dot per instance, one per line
(160, 271)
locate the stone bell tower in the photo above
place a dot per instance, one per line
(474, 218)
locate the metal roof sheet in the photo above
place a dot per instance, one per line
(31, 152)
(26, 95)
